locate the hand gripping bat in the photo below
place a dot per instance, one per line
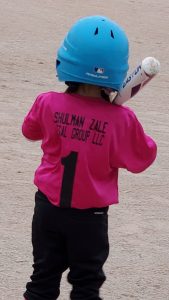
(142, 74)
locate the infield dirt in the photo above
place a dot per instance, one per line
(31, 31)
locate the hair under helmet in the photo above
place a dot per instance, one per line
(94, 51)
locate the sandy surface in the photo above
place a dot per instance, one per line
(138, 265)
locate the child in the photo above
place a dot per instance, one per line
(85, 140)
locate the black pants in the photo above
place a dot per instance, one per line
(65, 238)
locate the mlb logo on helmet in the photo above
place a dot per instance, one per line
(99, 70)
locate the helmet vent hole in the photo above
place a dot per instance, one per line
(96, 31)
(57, 63)
(112, 34)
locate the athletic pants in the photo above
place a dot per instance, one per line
(67, 238)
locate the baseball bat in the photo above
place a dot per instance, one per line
(142, 74)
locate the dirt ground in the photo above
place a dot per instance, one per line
(31, 31)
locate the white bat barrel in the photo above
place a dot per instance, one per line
(137, 79)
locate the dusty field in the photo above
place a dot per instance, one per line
(138, 265)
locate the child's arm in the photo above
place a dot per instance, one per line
(136, 151)
(32, 126)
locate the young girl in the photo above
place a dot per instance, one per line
(85, 140)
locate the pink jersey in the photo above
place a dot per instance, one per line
(85, 141)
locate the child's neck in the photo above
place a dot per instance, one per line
(89, 91)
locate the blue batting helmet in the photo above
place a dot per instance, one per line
(94, 51)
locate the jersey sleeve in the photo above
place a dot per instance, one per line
(32, 125)
(134, 150)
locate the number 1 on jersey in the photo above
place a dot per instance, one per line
(69, 163)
